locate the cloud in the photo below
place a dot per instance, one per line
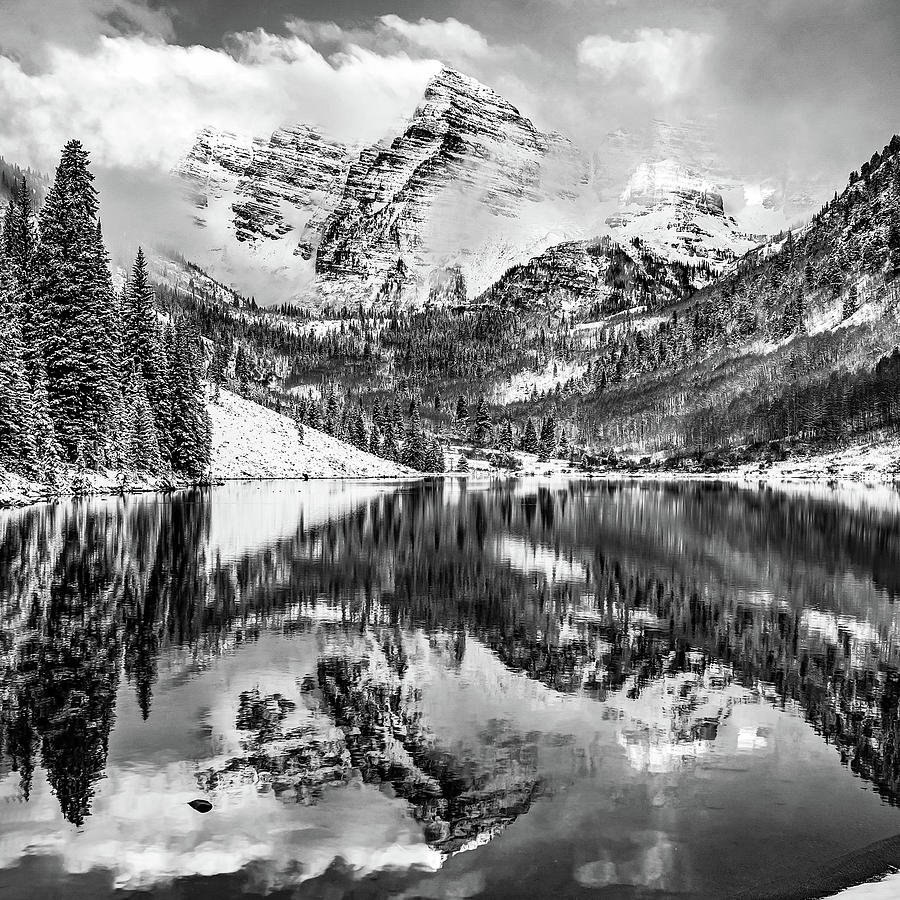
(73, 23)
(664, 63)
(137, 102)
(448, 39)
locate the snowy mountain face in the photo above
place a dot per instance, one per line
(469, 186)
(467, 175)
(264, 201)
(599, 278)
(680, 201)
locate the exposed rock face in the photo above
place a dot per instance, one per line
(469, 184)
(290, 183)
(271, 188)
(466, 156)
(214, 165)
(599, 276)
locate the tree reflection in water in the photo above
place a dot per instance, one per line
(621, 593)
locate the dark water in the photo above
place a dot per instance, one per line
(523, 689)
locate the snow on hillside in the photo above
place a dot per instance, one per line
(886, 889)
(250, 441)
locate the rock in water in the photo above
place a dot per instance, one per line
(202, 806)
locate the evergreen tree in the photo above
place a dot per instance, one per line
(143, 449)
(73, 287)
(482, 427)
(547, 440)
(190, 426)
(529, 442)
(851, 302)
(141, 344)
(505, 439)
(414, 443)
(462, 411)
(15, 394)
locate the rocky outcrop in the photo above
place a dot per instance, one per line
(467, 156)
(469, 185)
(279, 187)
(600, 277)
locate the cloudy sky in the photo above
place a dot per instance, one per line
(788, 84)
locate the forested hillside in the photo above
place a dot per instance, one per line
(89, 379)
(590, 348)
(617, 349)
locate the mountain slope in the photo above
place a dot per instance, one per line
(468, 175)
(250, 441)
(469, 182)
(795, 341)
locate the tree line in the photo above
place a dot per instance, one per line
(90, 378)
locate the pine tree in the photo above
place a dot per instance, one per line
(547, 440)
(505, 440)
(529, 442)
(414, 443)
(190, 426)
(482, 427)
(73, 287)
(462, 411)
(15, 437)
(142, 350)
(851, 302)
(20, 244)
(143, 448)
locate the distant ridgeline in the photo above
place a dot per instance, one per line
(90, 379)
(618, 348)
(12, 176)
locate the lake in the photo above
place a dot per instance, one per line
(437, 689)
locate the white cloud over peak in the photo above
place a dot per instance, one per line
(26, 32)
(662, 63)
(448, 39)
(136, 101)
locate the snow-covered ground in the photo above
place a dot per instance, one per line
(886, 889)
(250, 441)
(869, 462)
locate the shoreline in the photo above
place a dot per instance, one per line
(17, 492)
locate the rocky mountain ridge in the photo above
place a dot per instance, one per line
(469, 184)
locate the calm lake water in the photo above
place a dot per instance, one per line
(518, 689)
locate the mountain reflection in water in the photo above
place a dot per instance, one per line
(368, 680)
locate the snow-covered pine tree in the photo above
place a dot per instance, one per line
(482, 427)
(15, 395)
(462, 411)
(414, 442)
(143, 451)
(142, 347)
(505, 439)
(547, 440)
(73, 287)
(529, 443)
(20, 244)
(190, 426)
